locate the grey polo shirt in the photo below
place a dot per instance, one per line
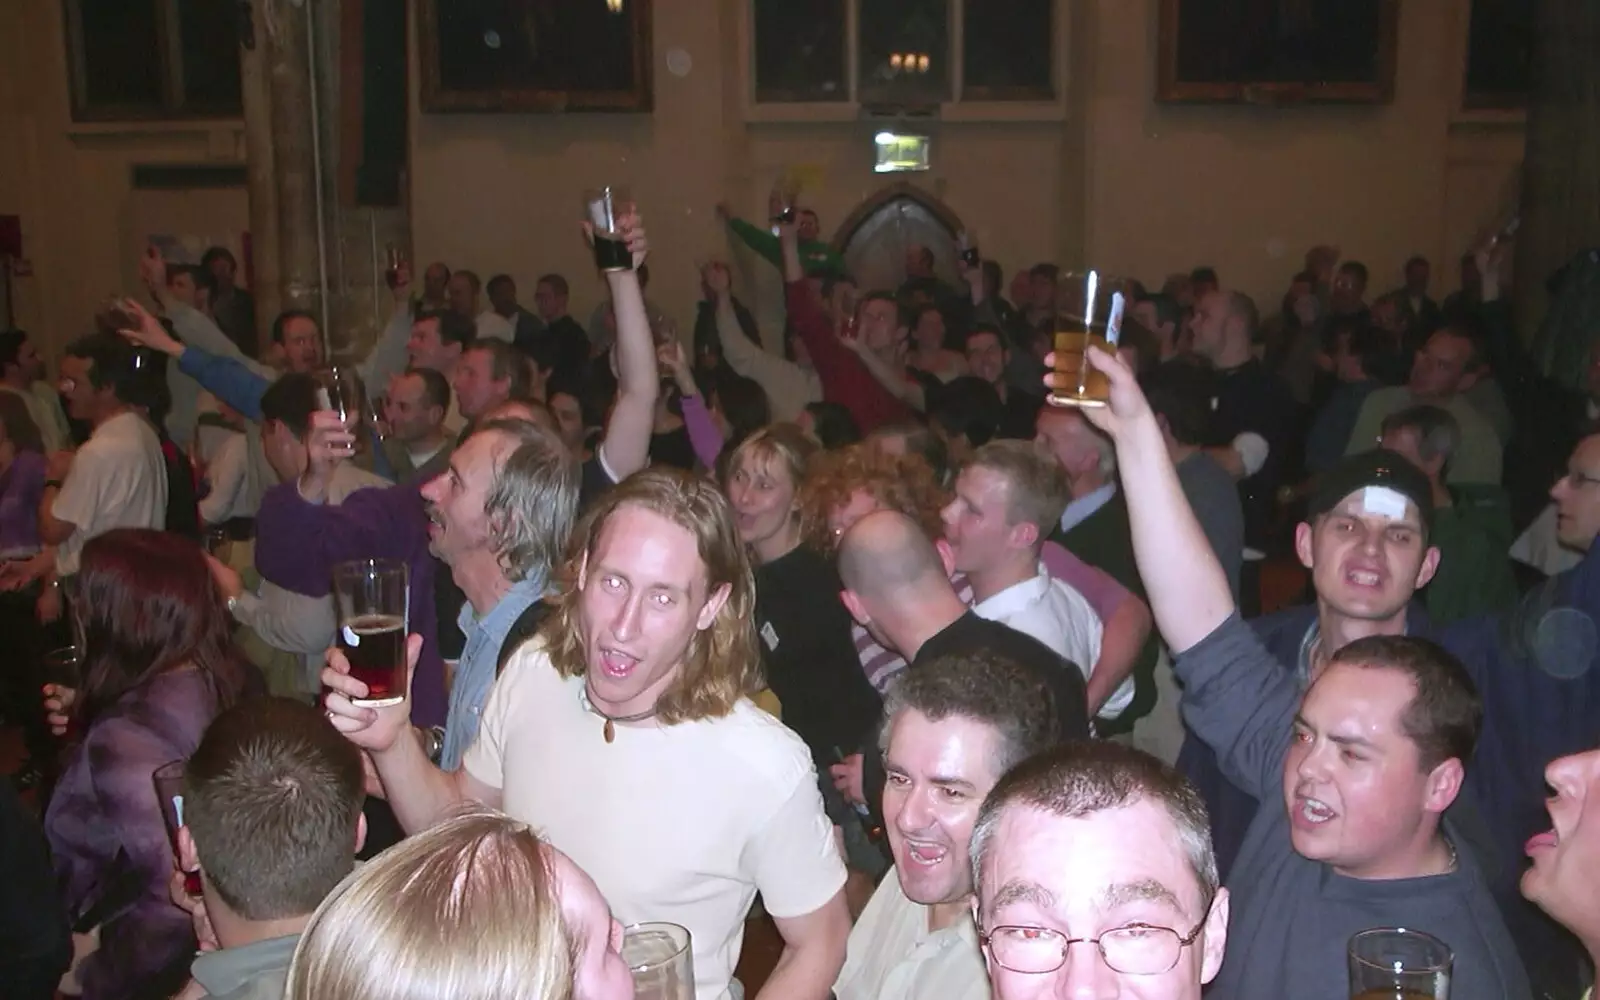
(251, 972)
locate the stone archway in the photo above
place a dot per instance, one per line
(873, 238)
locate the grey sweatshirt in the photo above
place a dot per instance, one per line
(1292, 917)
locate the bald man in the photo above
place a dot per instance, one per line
(897, 585)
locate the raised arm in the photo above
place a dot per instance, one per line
(908, 390)
(704, 435)
(625, 448)
(760, 240)
(1236, 698)
(388, 356)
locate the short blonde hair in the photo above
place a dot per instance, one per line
(784, 445)
(467, 910)
(723, 662)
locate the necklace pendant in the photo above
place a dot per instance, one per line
(610, 732)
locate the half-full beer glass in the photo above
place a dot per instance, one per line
(605, 208)
(1088, 314)
(662, 963)
(1392, 963)
(373, 595)
(168, 779)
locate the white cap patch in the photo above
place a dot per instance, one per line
(1381, 501)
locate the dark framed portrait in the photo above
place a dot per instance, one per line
(1499, 73)
(535, 55)
(1277, 51)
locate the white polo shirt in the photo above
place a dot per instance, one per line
(892, 955)
(118, 479)
(1053, 612)
(682, 823)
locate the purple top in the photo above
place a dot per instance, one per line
(107, 800)
(375, 523)
(20, 487)
(704, 436)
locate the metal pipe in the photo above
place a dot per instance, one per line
(317, 172)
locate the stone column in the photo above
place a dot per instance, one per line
(261, 182)
(288, 57)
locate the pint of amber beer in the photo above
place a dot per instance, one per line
(1088, 313)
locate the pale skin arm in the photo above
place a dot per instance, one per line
(1120, 642)
(813, 953)
(1188, 590)
(419, 793)
(626, 445)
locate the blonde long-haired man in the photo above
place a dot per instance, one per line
(626, 737)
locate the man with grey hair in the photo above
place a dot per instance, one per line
(498, 517)
(1008, 497)
(955, 726)
(1471, 521)
(1096, 843)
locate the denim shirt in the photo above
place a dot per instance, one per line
(475, 673)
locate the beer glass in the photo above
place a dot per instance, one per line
(62, 671)
(168, 780)
(393, 259)
(659, 956)
(1088, 313)
(218, 545)
(605, 209)
(1392, 963)
(339, 390)
(372, 597)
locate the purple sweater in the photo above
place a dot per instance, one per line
(388, 523)
(106, 800)
(20, 488)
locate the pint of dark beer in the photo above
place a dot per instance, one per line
(373, 595)
(605, 208)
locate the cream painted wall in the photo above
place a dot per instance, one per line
(1124, 183)
(72, 185)
(1162, 188)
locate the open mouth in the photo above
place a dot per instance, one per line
(923, 854)
(1309, 812)
(1364, 578)
(1541, 842)
(616, 664)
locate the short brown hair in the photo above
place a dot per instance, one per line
(272, 797)
(897, 482)
(723, 662)
(1446, 714)
(1037, 491)
(1089, 776)
(506, 363)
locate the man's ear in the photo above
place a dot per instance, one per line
(947, 556)
(1444, 784)
(361, 832)
(1302, 544)
(1216, 937)
(1430, 566)
(852, 604)
(583, 570)
(713, 605)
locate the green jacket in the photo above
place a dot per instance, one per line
(1474, 537)
(816, 257)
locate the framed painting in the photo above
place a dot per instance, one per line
(1277, 51)
(534, 55)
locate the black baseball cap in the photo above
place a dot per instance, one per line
(1378, 467)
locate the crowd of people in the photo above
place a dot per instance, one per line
(841, 623)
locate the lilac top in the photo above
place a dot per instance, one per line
(386, 523)
(106, 800)
(21, 485)
(704, 436)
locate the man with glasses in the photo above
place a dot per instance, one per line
(955, 726)
(1097, 844)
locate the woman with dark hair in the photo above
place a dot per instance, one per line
(158, 664)
(22, 477)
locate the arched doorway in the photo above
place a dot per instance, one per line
(874, 237)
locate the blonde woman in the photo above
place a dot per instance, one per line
(476, 908)
(806, 646)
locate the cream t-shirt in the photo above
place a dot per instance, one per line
(681, 823)
(118, 479)
(892, 955)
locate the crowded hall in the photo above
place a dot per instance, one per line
(759, 500)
